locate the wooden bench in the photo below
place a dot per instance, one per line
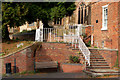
(51, 64)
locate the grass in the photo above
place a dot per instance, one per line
(11, 46)
(22, 73)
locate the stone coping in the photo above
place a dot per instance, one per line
(16, 51)
(73, 64)
(102, 49)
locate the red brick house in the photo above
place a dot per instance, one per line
(104, 18)
(105, 33)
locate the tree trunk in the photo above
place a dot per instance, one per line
(5, 33)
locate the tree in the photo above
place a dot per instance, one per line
(47, 11)
(15, 14)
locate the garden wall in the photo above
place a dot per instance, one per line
(24, 60)
(110, 55)
(25, 36)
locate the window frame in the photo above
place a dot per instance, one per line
(103, 18)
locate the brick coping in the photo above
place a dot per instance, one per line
(16, 51)
(102, 49)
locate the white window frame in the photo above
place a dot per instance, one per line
(103, 17)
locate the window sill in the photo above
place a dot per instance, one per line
(103, 29)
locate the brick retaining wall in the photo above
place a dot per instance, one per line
(24, 60)
(110, 55)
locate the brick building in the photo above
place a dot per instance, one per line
(104, 18)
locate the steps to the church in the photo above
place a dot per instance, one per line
(61, 52)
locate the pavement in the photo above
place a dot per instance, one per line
(51, 75)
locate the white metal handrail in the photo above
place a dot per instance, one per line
(75, 38)
(85, 51)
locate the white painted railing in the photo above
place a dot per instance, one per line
(76, 39)
(85, 51)
(70, 35)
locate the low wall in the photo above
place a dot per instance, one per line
(24, 60)
(72, 67)
(110, 55)
(25, 36)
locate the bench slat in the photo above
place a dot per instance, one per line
(52, 64)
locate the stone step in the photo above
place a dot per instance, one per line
(98, 67)
(75, 48)
(97, 60)
(95, 56)
(98, 64)
(99, 74)
(103, 70)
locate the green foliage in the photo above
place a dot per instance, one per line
(12, 15)
(8, 42)
(47, 11)
(24, 31)
(5, 33)
(15, 14)
(79, 53)
(17, 39)
(88, 44)
(74, 59)
(2, 54)
(95, 46)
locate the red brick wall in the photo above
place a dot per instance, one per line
(87, 33)
(72, 68)
(109, 55)
(54, 52)
(24, 61)
(119, 33)
(110, 36)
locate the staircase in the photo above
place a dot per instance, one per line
(98, 65)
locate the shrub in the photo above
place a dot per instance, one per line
(88, 44)
(95, 47)
(74, 59)
(17, 39)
